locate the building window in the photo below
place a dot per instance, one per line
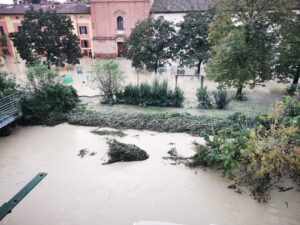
(17, 17)
(19, 28)
(5, 51)
(120, 23)
(2, 31)
(83, 30)
(84, 44)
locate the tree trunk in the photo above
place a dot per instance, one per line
(199, 71)
(239, 91)
(297, 76)
(199, 67)
(156, 67)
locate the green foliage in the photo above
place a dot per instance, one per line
(150, 43)
(257, 156)
(7, 86)
(45, 95)
(203, 98)
(223, 149)
(108, 78)
(40, 75)
(192, 47)
(288, 60)
(242, 50)
(47, 34)
(221, 98)
(50, 98)
(157, 94)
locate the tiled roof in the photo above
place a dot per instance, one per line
(173, 6)
(178, 6)
(66, 8)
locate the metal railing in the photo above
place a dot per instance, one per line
(10, 109)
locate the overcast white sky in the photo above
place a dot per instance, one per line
(6, 1)
(11, 1)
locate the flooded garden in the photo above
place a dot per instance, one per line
(80, 190)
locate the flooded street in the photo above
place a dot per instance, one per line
(259, 99)
(82, 191)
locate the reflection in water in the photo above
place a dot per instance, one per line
(81, 191)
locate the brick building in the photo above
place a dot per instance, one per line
(12, 15)
(101, 25)
(112, 21)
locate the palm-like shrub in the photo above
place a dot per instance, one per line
(221, 98)
(203, 98)
(156, 94)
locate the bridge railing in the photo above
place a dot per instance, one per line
(10, 108)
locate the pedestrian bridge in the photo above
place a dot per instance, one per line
(10, 109)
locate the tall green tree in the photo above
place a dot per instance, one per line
(47, 34)
(288, 62)
(150, 43)
(243, 37)
(192, 47)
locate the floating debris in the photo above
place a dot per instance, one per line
(177, 158)
(283, 189)
(93, 153)
(82, 153)
(109, 132)
(236, 188)
(120, 152)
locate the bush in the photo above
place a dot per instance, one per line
(221, 98)
(203, 98)
(50, 98)
(257, 156)
(40, 75)
(45, 95)
(157, 94)
(108, 78)
(7, 86)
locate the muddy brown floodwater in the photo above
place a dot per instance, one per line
(81, 191)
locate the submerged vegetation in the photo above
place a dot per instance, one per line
(117, 133)
(120, 152)
(161, 122)
(257, 156)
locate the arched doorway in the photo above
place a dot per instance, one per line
(121, 46)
